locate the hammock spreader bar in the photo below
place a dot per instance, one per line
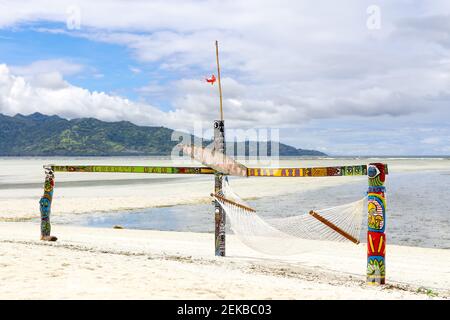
(334, 227)
(232, 202)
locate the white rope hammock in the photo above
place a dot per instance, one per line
(290, 235)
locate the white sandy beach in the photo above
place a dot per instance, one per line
(92, 263)
(106, 263)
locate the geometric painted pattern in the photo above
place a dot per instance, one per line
(357, 170)
(376, 224)
(45, 203)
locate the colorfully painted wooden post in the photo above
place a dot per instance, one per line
(376, 223)
(45, 205)
(219, 214)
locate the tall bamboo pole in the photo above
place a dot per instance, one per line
(218, 78)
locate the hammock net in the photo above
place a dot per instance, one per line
(294, 234)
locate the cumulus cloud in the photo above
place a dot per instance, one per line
(17, 95)
(48, 73)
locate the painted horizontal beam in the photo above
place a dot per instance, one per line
(358, 170)
(133, 169)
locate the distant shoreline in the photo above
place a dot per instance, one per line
(42, 135)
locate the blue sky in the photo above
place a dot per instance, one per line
(347, 80)
(107, 67)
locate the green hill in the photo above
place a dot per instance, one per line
(41, 135)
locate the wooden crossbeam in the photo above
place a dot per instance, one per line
(356, 170)
(214, 159)
(133, 169)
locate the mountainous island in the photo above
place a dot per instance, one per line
(43, 135)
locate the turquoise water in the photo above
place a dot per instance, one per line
(418, 210)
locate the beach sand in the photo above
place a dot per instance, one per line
(91, 263)
(88, 263)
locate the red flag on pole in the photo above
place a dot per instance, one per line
(211, 80)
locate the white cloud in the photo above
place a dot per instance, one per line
(51, 80)
(17, 95)
(48, 73)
